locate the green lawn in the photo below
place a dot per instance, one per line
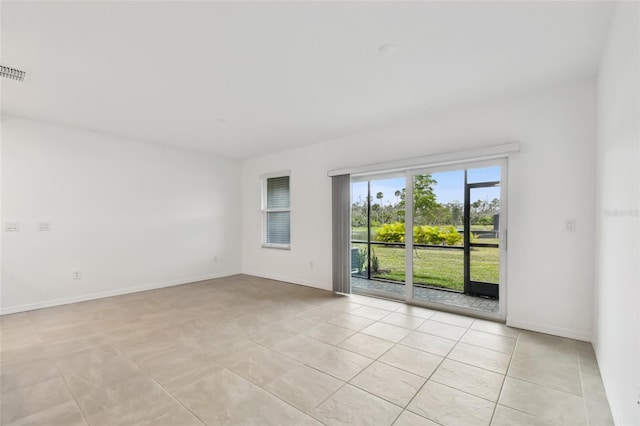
(438, 267)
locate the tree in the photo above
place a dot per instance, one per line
(482, 211)
(424, 199)
(398, 193)
(457, 212)
(359, 213)
(358, 219)
(379, 196)
(398, 209)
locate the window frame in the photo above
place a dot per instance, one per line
(265, 210)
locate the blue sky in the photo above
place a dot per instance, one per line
(450, 186)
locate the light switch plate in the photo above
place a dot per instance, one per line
(11, 226)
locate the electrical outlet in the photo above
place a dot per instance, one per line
(570, 225)
(311, 264)
(77, 275)
(11, 226)
(215, 259)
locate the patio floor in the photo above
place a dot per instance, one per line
(427, 294)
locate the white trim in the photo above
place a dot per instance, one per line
(275, 174)
(458, 165)
(101, 295)
(408, 237)
(554, 331)
(503, 228)
(277, 246)
(378, 176)
(460, 310)
(485, 153)
(287, 280)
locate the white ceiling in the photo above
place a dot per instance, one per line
(281, 74)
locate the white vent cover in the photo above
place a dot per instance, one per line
(12, 73)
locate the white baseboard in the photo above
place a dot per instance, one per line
(110, 293)
(288, 280)
(546, 329)
(542, 328)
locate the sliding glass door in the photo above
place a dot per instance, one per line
(451, 253)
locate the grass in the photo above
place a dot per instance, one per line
(438, 267)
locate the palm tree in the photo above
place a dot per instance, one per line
(379, 197)
(398, 194)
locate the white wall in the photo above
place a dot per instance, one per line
(130, 215)
(550, 285)
(616, 318)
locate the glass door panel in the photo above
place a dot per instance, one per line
(378, 236)
(438, 267)
(359, 211)
(482, 214)
(438, 233)
(485, 265)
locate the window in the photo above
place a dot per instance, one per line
(276, 212)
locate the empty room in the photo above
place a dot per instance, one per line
(320, 213)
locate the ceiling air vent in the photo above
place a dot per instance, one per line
(12, 73)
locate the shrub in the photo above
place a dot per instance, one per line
(420, 235)
(434, 235)
(391, 233)
(452, 236)
(361, 259)
(394, 233)
(375, 262)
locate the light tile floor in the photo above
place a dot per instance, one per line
(249, 351)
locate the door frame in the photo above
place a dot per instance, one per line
(476, 288)
(502, 227)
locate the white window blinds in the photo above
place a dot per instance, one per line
(276, 210)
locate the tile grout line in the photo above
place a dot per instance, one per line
(53, 364)
(504, 379)
(274, 395)
(584, 399)
(526, 381)
(146, 373)
(368, 365)
(429, 378)
(306, 365)
(73, 397)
